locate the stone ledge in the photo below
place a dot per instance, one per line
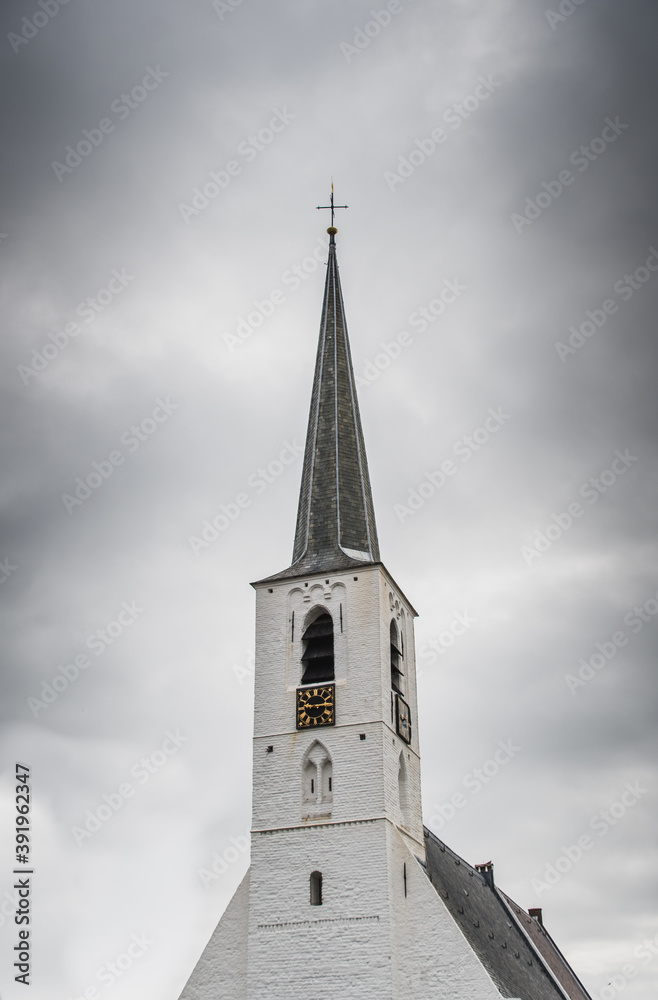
(292, 924)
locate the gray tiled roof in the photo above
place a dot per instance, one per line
(549, 951)
(519, 963)
(335, 519)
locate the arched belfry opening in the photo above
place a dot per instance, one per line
(397, 656)
(317, 776)
(318, 650)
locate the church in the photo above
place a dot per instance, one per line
(348, 896)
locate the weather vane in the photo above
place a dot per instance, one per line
(332, 206)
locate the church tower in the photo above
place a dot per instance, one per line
(342, 898)
(337, 817)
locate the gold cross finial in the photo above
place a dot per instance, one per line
(331, 206)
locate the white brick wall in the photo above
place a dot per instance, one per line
(221, 972)
(368, 941)
(342, 948)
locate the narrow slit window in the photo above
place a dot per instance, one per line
(403, 791)
(397, 676)
(318, 652)
(316, 888)
(308, 781)
(327, 778)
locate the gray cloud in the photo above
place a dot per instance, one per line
(163, 336)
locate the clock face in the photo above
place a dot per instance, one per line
(403, 717)
(316, 706)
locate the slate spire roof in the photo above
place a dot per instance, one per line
(335, 518)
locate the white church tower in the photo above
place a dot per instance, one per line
(338, 903)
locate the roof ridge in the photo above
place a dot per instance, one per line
(511, 903)
(443, 846)
(505, 900)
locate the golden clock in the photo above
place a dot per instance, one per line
(316, 706)
(403, 720)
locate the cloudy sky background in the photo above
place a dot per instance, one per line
(184, 662)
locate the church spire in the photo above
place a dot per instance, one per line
(335, 518)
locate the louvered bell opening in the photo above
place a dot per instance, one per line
(396, 668)
(318, 655)
(322, 626)
(318, 671)
(319, 649)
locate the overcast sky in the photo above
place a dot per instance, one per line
(497, 153)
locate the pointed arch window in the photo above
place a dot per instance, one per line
(318, 651)
(397, 675)
(317, 777)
